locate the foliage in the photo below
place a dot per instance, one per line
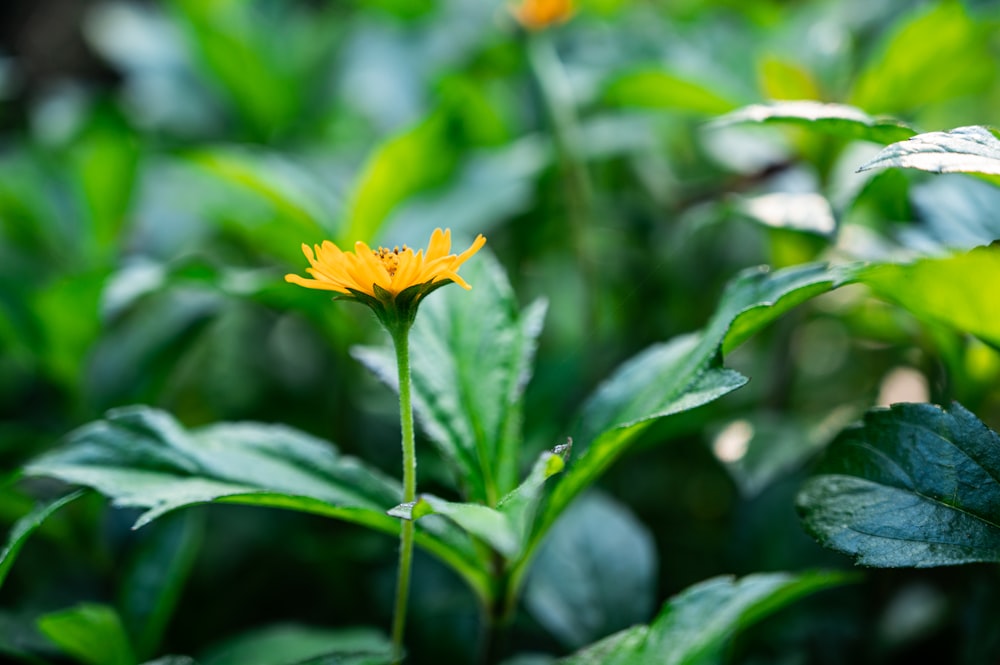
(718, 235)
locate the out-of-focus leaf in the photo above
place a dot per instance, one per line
(782, 79)
(267, 59)
(91, 633)
(694, 627)
(949, 290)
(595, 573)
(932, 56)
(807, 212)
(914, 485)
(963, 150)
(412, 161)
(172, 660)
(659, 89)
(836, 119)
(470, 357)
(295, 644)
(26, 526)
(143, 458)
(104, 162)
(955, 213)
(155, 579)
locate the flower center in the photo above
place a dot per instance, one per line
(389, 258)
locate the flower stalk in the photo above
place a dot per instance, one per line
(400, 340)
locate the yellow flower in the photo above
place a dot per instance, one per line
(540, 14)
(390, 281)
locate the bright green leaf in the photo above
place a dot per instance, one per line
(694, 627)
(594, 574)
(947, 291)
(658, 89)
(91, 633)
(487, 524)
(26, 526)
(521, 504)
(837, 119)
(914, 485)
(963, 150)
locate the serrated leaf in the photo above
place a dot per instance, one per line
(694, 627)
(91, 633)
(806, 212)
(26, 526)
(914, 485)
(963, 150)
(142, 458)
(659, 89)
(595, 573)
(837, 119)
(947, 291)
(470, 359)
(289, 644)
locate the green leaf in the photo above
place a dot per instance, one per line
(595, 573)
(658, 89)
(288, 644)
(487, 524)
(172, 660)
(143, 458)
(963, 150)
(470, 359)
(837, 119)
(154, 579)
(931, 57)
(806, 212)
(506, 529)
(914, 485)
(946, 290)
(26, 526)
(91, 633)
(412, 161)
(694, 627)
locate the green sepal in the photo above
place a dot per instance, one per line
(396, 313)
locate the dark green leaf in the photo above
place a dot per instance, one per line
(90, 633)
(520, 505)
(694, 627)
(836, 119)
(470, 358)
(963, 150)
(914, 485)
(594, 574)
(26, 526)
(143, 458)
(155, 578)
(294, 644)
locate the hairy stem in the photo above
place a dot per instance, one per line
(400, 339)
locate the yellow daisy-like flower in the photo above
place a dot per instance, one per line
(540, 14)
(391, 281)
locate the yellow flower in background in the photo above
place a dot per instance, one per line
(390, 281)
(540, 14)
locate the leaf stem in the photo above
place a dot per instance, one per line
(400, 339)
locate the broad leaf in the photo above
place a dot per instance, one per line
(594, 574)
(26, 526)
(91, 633)
(694, 627)
(288, 644)
(143, 458)
(914, 485)
(836, 119)
(951, 291)
(470, 358)
(963, 150)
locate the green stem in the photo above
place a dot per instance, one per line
(400, 339)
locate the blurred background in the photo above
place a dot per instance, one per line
(162, 162)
